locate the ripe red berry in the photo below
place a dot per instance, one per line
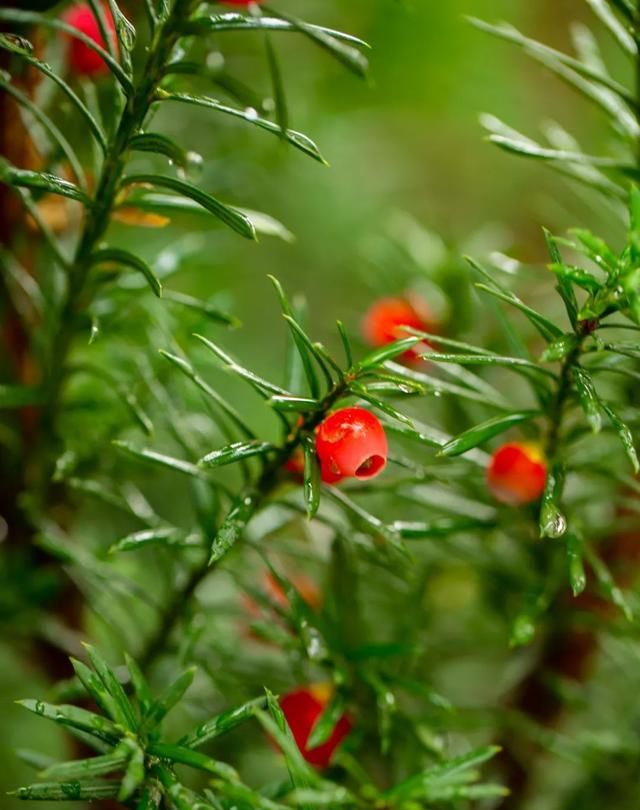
(83, 60)
(302, 709)
(384, 320)
(351, 443)
(517, 473)
(240, 2)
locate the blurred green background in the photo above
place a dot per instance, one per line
(406, 151)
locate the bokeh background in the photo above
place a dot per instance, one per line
(408, 166)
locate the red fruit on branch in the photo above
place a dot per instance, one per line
(517, 473)
(82, 60)
(351, 443)
(302, 709)
(244, 3)
(385, 319)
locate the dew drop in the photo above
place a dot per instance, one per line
(192, 167)
(555, 526)
(18, 42)
(251, 114)
(215, 60)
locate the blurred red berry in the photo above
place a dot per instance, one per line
(83, 60)
(295, 464)
(305, 586)
(351, 443)
(384, 320)
(303, 708)
(517, 473)
(240, 2)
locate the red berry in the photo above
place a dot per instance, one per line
(302, 709)
(517, 473)
(383, 323)
(305, 586)
(351, 443)
(295, 464)
(240, 2)
(83, 60)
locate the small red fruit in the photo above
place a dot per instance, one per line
(517, 473)
(306, 587)
(384, 322)
(83, 60)
(351, 443)
(302, 709)
(240, 2)
(295, 464)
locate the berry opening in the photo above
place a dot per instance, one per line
(370, 467)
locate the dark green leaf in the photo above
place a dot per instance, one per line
(523, 629)
(311, 477)
(96, 689)
(8, 43)
(160, 460)
(139, 683)
(84, 769)
(114, 687)
(449, 773)
(222, 723)
(297, 404)
(276, 726)
(48, 125)
(168, 699)
(626, 437)
(234, 524)
(576, 275)
(325, 724)
(588, 396)
(238, 22)
(204, 307)
(41, 181)
(575, 554)
(222, 404)
(347, 55)
(560, 348)
(64, 715)
(232, 217)
(481, 433)
(440, 527)
(134, 775)
(363, 519)
(379, 356)
(167, 536)
(118, 256)
(514, 363)
(389, 410)
(297, 139)
(186, 756)
(345, 343)
(565, 288)
(553, 523)
(263, 387)
(235, 452)
(160, 144)
(68, 791)
(277, 85)
(607, 583)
